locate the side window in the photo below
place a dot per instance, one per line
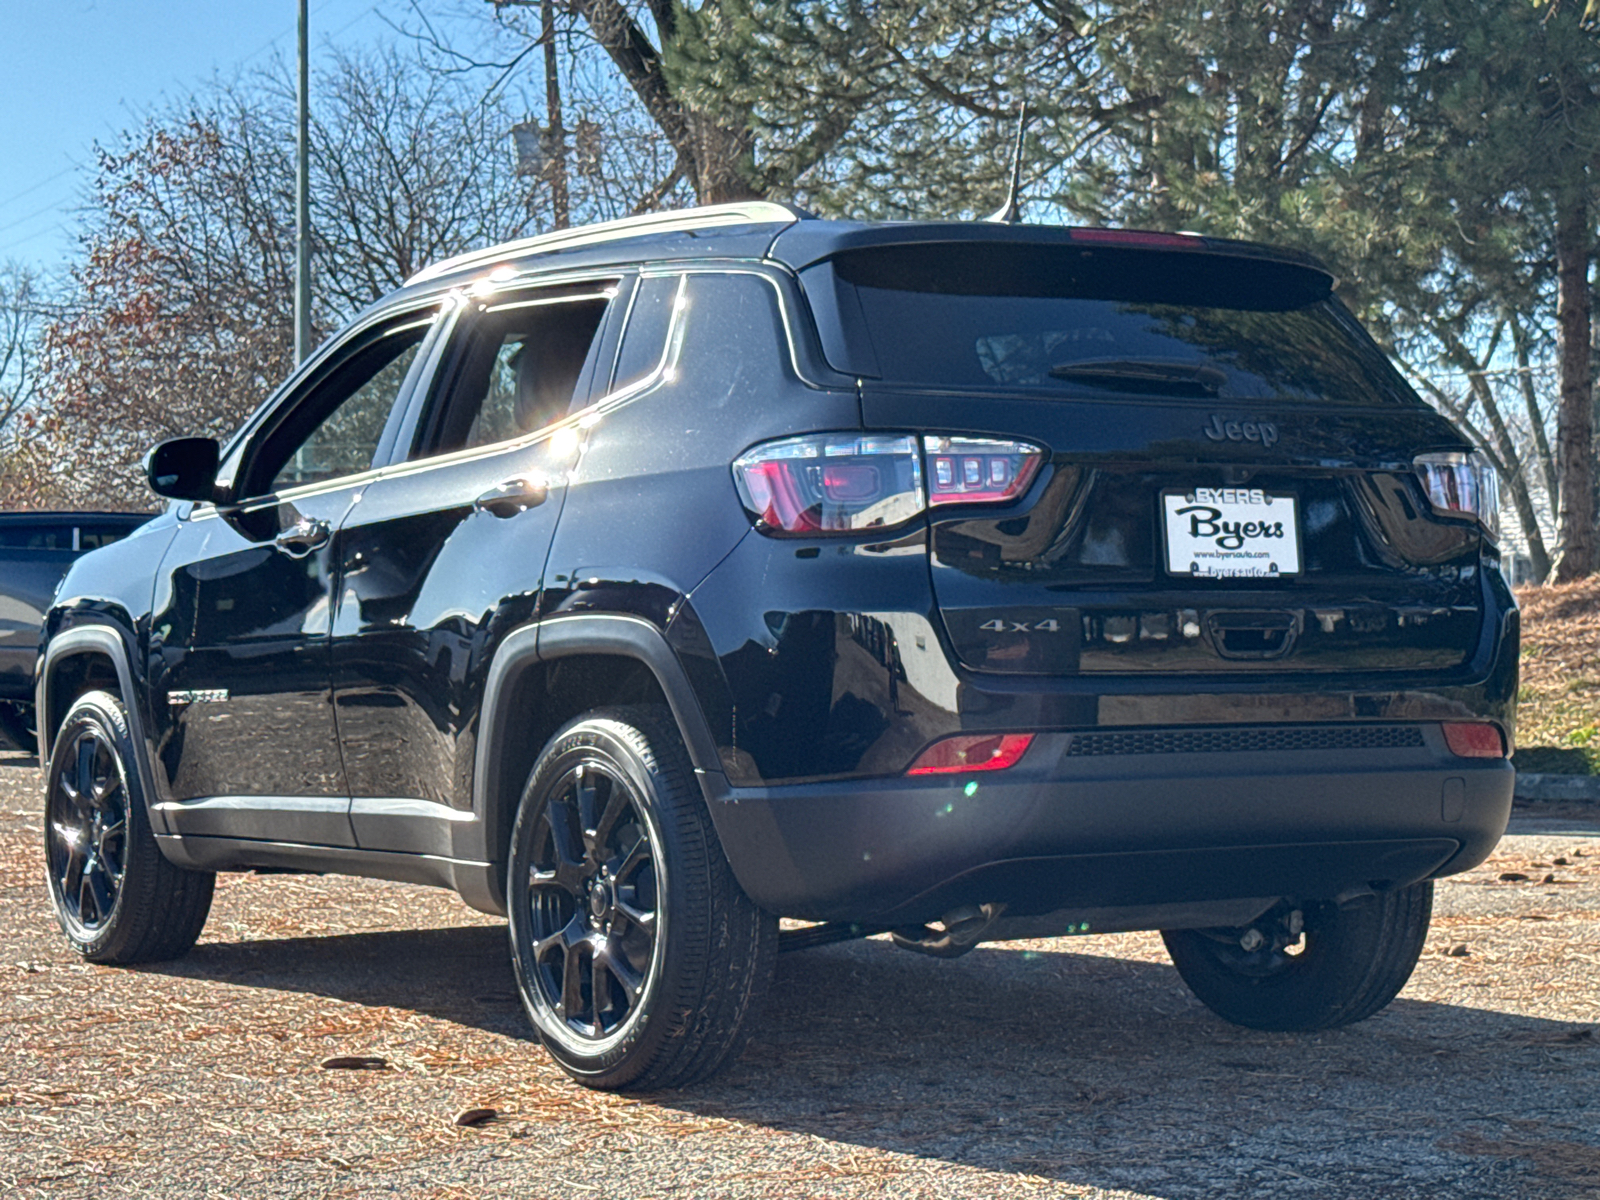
(514, 371)
(346, 415)
(36, 537)
(644, 342)
(734, 346)
(92, 537)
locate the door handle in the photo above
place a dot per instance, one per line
(304, 536)
(514, 496)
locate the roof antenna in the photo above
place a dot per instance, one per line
(1011, 212)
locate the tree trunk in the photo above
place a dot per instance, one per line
(1580, 541)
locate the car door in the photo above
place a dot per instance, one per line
(445, 552)
(239, 643)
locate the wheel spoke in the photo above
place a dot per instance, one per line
(599, 994)
(571, 862)
(631, 860)
(616, 804)
(83, 768)
(643, 919)
(622, 971)
(585, 794)
(72, 869)
(108, 835)
(98, 888)
(571, 1006)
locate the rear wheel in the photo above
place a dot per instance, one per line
(638, 956)
(117, 898)
(1307, 967)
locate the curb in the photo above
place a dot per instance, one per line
(1581, 789)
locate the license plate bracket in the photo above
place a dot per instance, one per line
(1230, 533)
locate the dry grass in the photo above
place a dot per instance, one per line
(1558, 717)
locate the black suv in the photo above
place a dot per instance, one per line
(650, 582)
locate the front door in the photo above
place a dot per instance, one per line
(239, 646)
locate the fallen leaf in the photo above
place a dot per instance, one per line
(1548, 879)
(1458, 952)
(1513, 877)
(354, 1062)
(470, 1117)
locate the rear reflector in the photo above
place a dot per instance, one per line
(1475, 739)
(985, 752)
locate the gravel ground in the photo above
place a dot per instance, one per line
(1049, 1068)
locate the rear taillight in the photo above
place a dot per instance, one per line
(1474, 739)
(979, 470)
(1462, 484)
(855, 483)
(983, 752)
(831, 483)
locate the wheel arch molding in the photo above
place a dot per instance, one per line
(86, 648)
(499, 766)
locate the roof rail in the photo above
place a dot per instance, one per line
(746, 212)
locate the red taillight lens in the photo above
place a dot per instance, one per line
(985, 752)
(979, 470)
(849, 483)
(831, 483)
(1474, 739)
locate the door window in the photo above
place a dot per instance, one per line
(334, 429)
(515, 371)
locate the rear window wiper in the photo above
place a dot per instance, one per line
(1145, 375)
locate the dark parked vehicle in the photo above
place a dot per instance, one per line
(36, 548)
(650, 582)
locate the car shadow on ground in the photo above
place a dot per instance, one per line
(1067, 1064)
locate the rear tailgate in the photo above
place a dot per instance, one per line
(1227, 482)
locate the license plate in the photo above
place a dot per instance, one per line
(1231, 533)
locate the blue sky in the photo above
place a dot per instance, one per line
(76, 71)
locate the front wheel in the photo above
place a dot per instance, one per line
(1307, 967)
(117, 899)
(637, 954)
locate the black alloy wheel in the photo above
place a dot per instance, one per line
(86, 828)
(116, 896)
(637, 954)
(592, 899)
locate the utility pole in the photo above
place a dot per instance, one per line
(555, 154)
(302, 203)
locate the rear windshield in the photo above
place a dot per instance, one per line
(1124, 322)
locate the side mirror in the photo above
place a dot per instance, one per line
(183, 468)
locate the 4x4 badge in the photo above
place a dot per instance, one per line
(1219, 430)
(198, 696)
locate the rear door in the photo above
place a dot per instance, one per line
(1224, 482)
(445, 553)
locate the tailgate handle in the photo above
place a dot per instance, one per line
(1253, 635)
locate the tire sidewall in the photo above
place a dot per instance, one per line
(597, 1059)
(101, 711)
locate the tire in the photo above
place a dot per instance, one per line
(1354, 960)
(116, 896)
(638, 956)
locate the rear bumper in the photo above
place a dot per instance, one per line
(1060, 830)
